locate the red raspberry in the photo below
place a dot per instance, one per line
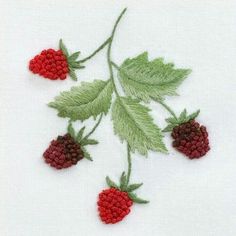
(191, 139)
(63, 152)
(113, 205)
(50, 64)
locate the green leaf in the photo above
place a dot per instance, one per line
(85, 101)
(111, 183)
(86, 153)
(72, 74)
(133, 187)
(73, 56)
(150, 80)
(136, 199)
(80, 134)
(88, 142)
(71, 130)
(63, 48)
(123, 181)
(133, 123)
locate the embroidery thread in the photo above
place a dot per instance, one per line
(142, 81)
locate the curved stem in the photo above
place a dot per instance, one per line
(96, 51)
(168, 109)
(129, 164)
(94, 128)
(109, 51)
(115, 65)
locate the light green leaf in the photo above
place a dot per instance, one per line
(150, 80)
(136, 199)
(133, 123)
(86, 153)
(111, 183)
(87, 100)
(63, 48)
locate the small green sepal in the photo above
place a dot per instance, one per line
(86, 154)
(136, 199)
(79, 136)
(71, 130)
(125, 187)
(87, 141)
(133, 187)
(71, 60)
(123, 180)
(111, 183)
(183, 118)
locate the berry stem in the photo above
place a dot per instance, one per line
(129, 164)
(109, 51)
(115, 65)
(168, 109)
(94, 128)
(96, 51)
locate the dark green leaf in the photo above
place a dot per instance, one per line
(74, 56)
(76, 65)
(80, 134)
(88, 142)
(171, 120)
(63, 48)
(168, 128)
(123, 181)
(71, 130)
(111, 183)
(136, 199)
(193, 115)
(86, 154)
(132, 187)
(73, 74)
(182, 116)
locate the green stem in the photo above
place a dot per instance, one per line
(115, 65)
(94, 128)
(129, 164)
(109, 51)
(96, 51)
(168, 109)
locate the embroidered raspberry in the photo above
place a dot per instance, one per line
(113, 205)
(189, 136)
(191, 139)
(50, 64)
(63, 152)
(115, 202)
(55, 64)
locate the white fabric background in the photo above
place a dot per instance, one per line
(188, 198)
